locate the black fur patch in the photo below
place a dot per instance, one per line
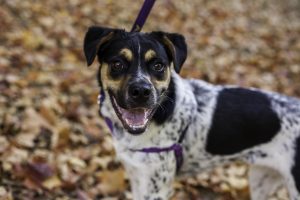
(296, 167)
(166, 109)
(243, 119)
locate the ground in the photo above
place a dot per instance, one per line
(53, 145)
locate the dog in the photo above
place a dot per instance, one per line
(163, 125)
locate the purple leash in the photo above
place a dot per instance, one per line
(143, 14)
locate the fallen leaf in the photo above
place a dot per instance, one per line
(111, 181)
(52, 182)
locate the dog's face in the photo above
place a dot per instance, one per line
(135, 70)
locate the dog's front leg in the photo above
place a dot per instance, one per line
(151, 175)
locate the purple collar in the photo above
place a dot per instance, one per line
(177, 147)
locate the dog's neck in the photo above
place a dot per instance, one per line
(161, 135)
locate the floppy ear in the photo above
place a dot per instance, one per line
(175, 46)
(94, 38)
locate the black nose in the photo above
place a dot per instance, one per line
(139, 91)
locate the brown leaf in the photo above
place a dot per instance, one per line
(48, 114)
(52, 182)
(111, 181)
(3, 144)
(5, 194)
(81, 195)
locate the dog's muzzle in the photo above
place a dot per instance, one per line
(137, 108)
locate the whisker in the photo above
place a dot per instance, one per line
(162, 107)
(167, 97)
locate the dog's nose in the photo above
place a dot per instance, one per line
(140, 91)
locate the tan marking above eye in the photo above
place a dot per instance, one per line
(127, 53)
(150, 54)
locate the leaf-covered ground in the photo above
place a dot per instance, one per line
(53, 145)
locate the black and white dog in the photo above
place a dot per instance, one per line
(164, 125)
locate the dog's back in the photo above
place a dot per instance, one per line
(259, 127)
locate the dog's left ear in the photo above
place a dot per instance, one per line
(175, 45)
(94, 38)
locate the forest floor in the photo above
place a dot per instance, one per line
(53, 144)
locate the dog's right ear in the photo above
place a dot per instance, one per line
(94, 38)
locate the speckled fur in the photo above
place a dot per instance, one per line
(151, 175)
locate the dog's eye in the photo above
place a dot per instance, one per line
(159, 67)
(117, 66)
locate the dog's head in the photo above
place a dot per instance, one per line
(135, 70)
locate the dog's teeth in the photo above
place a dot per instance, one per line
(136, 127)
(98, 99)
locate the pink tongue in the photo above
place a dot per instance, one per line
(135, 117)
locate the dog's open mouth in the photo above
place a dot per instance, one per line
(135, 120)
